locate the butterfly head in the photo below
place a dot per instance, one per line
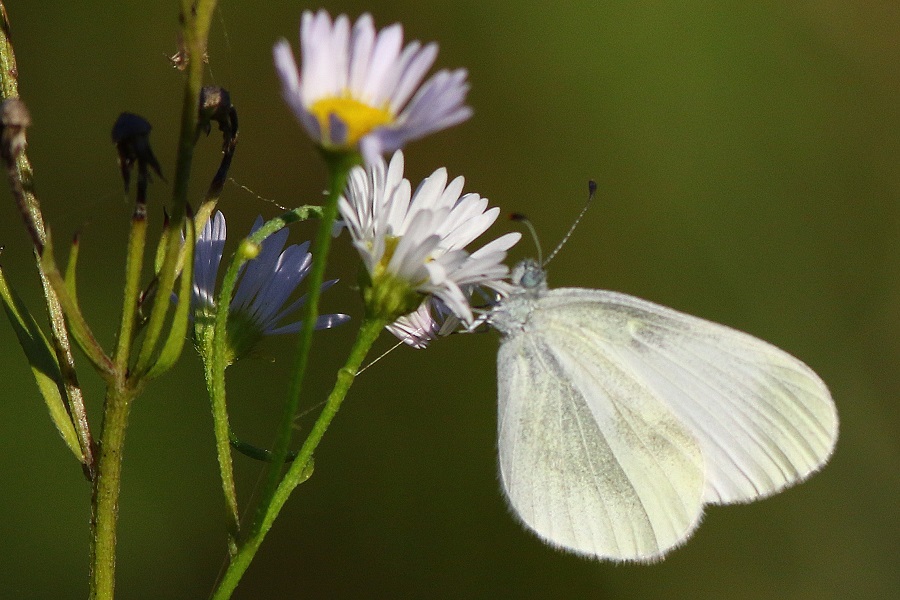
(529, 276)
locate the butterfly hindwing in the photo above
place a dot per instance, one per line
(590, 458)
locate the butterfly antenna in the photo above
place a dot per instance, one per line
(520, 218)
(592, 189)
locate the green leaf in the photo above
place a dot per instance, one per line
(78, 327)
(161, 248)
(251, 451)
(71, 266)
(43, 363)
(178, 333)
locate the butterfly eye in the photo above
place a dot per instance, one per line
(533, 278)
(529, 275)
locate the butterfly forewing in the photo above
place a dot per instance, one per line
(764, 420)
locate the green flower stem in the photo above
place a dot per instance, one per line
(196, 16)
(215, 353)
(214, 370)
(105, 500)
(21, 177)
(301, 213)
(300, 469)
(340, 165)
(162, 302)
(178, 330)
(215, 383)
(133, 263)
(195, 19)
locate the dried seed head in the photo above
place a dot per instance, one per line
(215, 105)
(14, 120)
(131, 135)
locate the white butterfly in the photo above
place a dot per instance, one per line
(619, 419)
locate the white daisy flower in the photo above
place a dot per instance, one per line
(354, 88)
(264, 286)
(413, 245)
(433, 319)
(430, 321)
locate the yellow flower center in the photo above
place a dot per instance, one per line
(386, 295)
(390, 245)
(360, 118)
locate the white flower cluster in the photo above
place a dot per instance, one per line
(420, 238)
(359, 90)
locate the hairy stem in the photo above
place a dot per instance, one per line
(300, 469)
(133, 263)
(105, 498)
(340, 168)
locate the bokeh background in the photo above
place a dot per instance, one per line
(747, 156)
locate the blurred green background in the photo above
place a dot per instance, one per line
(747, 155)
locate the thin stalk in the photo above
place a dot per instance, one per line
(178, 329)
(195, 19)
(215, 383)
(215, 347)
(105, 500)
(301, 213)
(340, 166)
(300, 469)
(133, 265)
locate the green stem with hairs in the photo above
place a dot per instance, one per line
(134, 262)
(214, 345)
(105, 500)
(301, 468)
(339, 165)
(215, 349)
(195, 19)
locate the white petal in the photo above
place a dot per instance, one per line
(361, 52)
(412, 76)
(385, 52)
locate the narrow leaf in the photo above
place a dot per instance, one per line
(78, 326)
(43, 363)
(178, 333)
(71, 266)
(161, 248)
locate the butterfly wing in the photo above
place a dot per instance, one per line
(590, 458)
(763, 419)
